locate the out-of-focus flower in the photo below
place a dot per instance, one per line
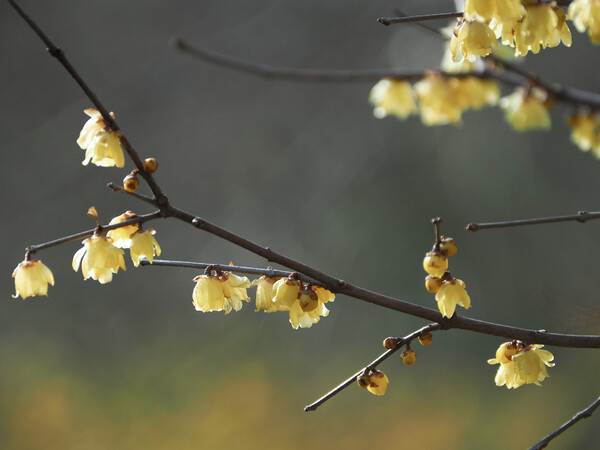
(393, 97)
(102, 147)
(521, 364)
(501, 15)
(584, 131)
(438, 103)
(476, 93)
(306, 303)
(452, 293)
(223, 292)
(378, 383)
(99, 259)
(265, 294)
(470, 40)
(32, 278)
(544, 25)
(448, 65)
(585, 15)
(526, 110)
(122, 236)
(144, 245)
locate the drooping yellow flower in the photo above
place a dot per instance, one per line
(476, 93)
(521, 364)
(144, 245)
(99, 259)
(470, 40)
(452, 293)
(122, 236)
(543, 25)
(32, 278)
(224, 292)
(438, 104)
(234, 290)
(265, 294)
(501, 15)
(585, 131)
(448, 65)
(102, 146)
(526, 110)
(393, 97)
(305, 303)
(378, 383)
(585, 15)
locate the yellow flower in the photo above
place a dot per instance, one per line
(32, 278)
(470, 40)
(521, 364)
(102, 147)
(501, 15)
(378, 383)
(122, 236)
(435, 263)
(543, 25)
(265, 294)
(585, 15)
(526, 110)
(143, 245)
(394, 97)
(584, 131)
(438, 102)
(99, 259)
(476, 93)
(224, 292)
(452, 293)
(448, 65)
(305, 303)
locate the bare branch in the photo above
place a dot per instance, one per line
(576, 418)
(387, 21)
(581, 216)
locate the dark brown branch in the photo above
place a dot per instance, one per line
(404, 19)
(112, 124)
(581, 216)
(401, 343)
(576, 418)
(122, 190)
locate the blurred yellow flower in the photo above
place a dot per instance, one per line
(393, 97)
(99, 259)
(476, 93)
(102, 146)
(32, 278)
(585, 15)
(470, 40)
(521, 364)
(438, 103)
(378, 383)
(224, 292)
(144, 245)
(526, 110)
(265, 294)
(306, 303)
(452, 293)
(122, 236)
(584, 131)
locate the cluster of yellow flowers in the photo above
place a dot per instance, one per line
(585, 15)
(448, 290)
(521, 364)
(226, 291)
(585, 132)
(527, 109)
(102, 146)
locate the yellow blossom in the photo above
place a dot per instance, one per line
(234, 290)
(448, 65)
(122, 236)
(526, 110)
(393, 97)
(143, 245)
(32, 278)
(501, 15)
(476, 93)
(102, 146)
(452, 293)
(99, 259)
(378, 383)
(470, 40)
(585, 15)
(224, 292)
(544, 25)
(584, 131)
(438, 103)
(265, 294)
(306, 303)
(520, 364)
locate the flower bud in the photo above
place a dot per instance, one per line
(130, 183)
(150, 165)
(363, 381)
(435, 264)
(426, 339)
(409, 356)
(448, 246)
(433, 284)
(390, 343)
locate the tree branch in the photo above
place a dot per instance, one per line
(576, 418)
(387, 21)
(581, 216)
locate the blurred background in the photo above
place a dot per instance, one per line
(306, 169)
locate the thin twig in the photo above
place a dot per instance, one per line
(122, 190)
(576, 418)
(581, 216)
(401, 343)
(85, 234)
(387, 21)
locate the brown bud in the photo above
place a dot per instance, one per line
(409, 356)
(150, 165)
(433, 284)
(426, 339)
(448, 246)
(363, 381)
(130, 183)
(390, 343)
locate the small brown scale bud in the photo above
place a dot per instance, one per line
(150, 165)
(390, 343)
(426, 339)
(131, 183)
(363, 381)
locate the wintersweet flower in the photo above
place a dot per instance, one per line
(438, 102)
(305, 303)
(102, 146)
(99, 259)
(122, 236)
(448, 65)
(521, 364)
(144, 245)
(222, 292)
(501, 15)
(265, 294)
(32, 278)
(476, 93)
(506, 374)
(393, 97)
(544, 25)
(470, 40)
(378, 383)
(526, 110)
(234, 290)
(585, 15)
(452, 293)
(584, 131)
